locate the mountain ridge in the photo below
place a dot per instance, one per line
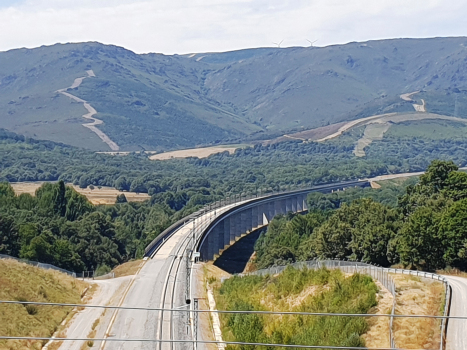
(163, 102)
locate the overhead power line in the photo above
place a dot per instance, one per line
(230, 311)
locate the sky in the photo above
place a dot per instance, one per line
(188, 26)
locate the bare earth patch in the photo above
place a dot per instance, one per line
(103, 195)
(307, 135)
(193, 152)
(417, 296)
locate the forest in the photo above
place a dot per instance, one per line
(424, 226)
(61, 227)
(253, 169)
(34, 227)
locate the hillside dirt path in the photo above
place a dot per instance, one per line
(91, 112)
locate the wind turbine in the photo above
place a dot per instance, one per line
(311, 42)
(279, 44)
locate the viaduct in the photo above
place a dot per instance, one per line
(243, 218)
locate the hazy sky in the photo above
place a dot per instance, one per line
(183, 26)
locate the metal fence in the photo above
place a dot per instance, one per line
(379, 273)
(38, 264)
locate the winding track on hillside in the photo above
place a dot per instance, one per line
(91, 112)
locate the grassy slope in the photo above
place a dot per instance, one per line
(19, 281)
(297, 290)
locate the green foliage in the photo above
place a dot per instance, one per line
(334, 293)
(425, 230)
(102, 270)
(61, 227)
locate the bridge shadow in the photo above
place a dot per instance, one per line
(234, 259)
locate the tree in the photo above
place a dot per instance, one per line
(8, 235)
(453, 234)
(121, 198)
(437, 174)
(59, 199)
(419, 244)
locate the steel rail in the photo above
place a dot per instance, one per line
(166, 287)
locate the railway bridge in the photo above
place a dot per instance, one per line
(254, 214)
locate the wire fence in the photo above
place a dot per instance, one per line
(379, 273)
(38, 264)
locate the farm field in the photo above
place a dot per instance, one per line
(195, 152)
(103, 195)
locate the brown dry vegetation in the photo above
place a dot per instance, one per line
(103, 195)
(127, 269)
(23, 282)
(377, 335)
(417, 296)
(194, 152)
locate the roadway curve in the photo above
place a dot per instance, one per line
(457, 329)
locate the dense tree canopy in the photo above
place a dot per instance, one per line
(427, 229)
(61, 227)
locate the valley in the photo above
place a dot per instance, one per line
(186, 168)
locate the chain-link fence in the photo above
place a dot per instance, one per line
(378, 273)
(38, 264)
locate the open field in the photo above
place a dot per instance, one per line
(195, 152)
(103, 195)
(20, 281)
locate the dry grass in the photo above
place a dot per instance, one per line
(377, 335)
(373, 132)
(417, 296)
(92, 333)
(194, 152)
(19, 281)
(127, 269)
(103, 195)
(452, 272)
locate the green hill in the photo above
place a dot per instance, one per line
(161, 102)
